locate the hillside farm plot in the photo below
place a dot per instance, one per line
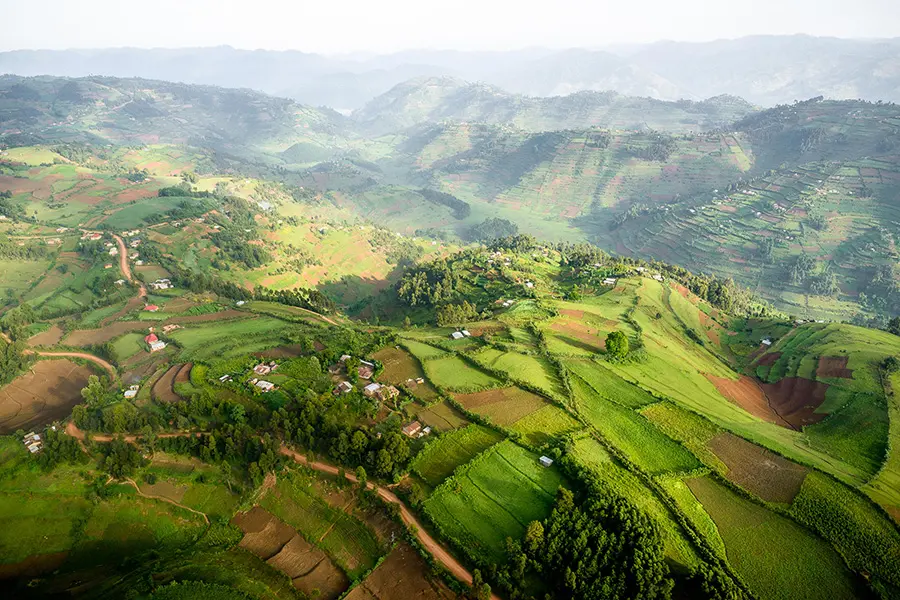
(694, 512)
(423, 351)
(164, 388)
(402, 369)
(534, 370)
(128, 345)
(631, 433)
(454, 373)
(439, 458)
(757, 470)
(502, 406)
(348, 541)
(308, 568)
(686, 427)
(231, 338)
(541, 426)
(440, 416)
(492, 498)
(776, 557)
(19, 275)
(45, 394)
(403, 574)
(618, 480)
(609, 385)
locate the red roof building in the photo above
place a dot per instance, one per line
(151, 338)
(151, 308)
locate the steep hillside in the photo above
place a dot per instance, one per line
(432, 100)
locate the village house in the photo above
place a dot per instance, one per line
(224, 378)
(161, 284)
(120, 282)
(262, 369)
(767, 342)
(344, 387)
(457, 335)
(132, 392)
(546, 461)
(155, 343)
(134, 243)
(371, 390)
(413, 429)
(609, 281)
(151, 308)
(265, 386)
(388, 392)
(366, 370)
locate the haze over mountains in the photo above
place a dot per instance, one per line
(764, 70)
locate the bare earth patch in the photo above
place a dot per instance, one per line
(403, 574)
(834, 366)
(51, 337)
(757, 470)
(747, 393)
(796, 399)
(45, 394)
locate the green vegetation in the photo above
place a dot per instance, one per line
(439, 458)
(454, 373)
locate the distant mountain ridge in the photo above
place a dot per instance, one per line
(435, 99)
(765, 70)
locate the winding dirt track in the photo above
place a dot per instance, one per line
(438, 551)
(164, 499)
(94, 359)
(123, 258)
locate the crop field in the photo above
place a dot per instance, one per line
(128, 345)
(403, 574)
(541, 426)
(453, 373)
(690, 429)
(45, 394)
(402, 369)
(440, 457)
(423, 351)
(885, 486)
(439, 416)
(776, 557)
(19, 275)
(225, 339)
(631, 433)
(536, 371)
(503, 406)
(694, 512)
(342, 536)
(609, 385)
(590, 453)
(767, 475)
(492, 498)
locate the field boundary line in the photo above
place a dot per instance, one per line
(164, 499)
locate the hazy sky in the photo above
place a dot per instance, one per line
(335, 26)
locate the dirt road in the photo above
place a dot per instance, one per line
(78, 434)
(439, 552)
(123, 258)
(164, 499)
(94, 359)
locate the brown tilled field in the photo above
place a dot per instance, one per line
(834, 366)
(403, 574)
(311, 571)
(503, 406)
(164, 388)
(769, 359)
(440, 416)
(590, 338)
(50, 337)
(45, 394)
(747, 393)
(90, 337)
(796, 399)
(757, 470)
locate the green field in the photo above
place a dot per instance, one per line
(454, 373)
(232, 338)
(541, 426)
(440, 457)
(492, 498)
(536, 371)
(128, 345)
(776, 557)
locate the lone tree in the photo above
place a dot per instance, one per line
(617, 345)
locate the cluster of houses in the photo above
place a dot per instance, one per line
(132, 392)
(93, 237)
(131, 233)
(381, 392)
(162, 284)
(33, 442)
(263, 369)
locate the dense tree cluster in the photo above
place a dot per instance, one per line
(12, 250)
(493, 228)
(521, 242)
(397, 250)
(429, 284)
(659, 149)
(120, 458)
(460, 208)
(13, 360)
(882, 291)
(616, 345)
(456, 314)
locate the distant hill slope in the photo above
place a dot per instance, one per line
(431, 100)
(123, 111)
(817, 226)
(765, 70)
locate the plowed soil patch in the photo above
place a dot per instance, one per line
(45, 394)
(747, 393)
(270, 540)
(184, 373)
(587, 336)
(769, 476)
(403, 574)
(326, 581)
(834, 366)
(297, 558)
(796, 399)
(90, 337)
(769, 359)
(50, 337)
(164, 388)
(572, 313)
